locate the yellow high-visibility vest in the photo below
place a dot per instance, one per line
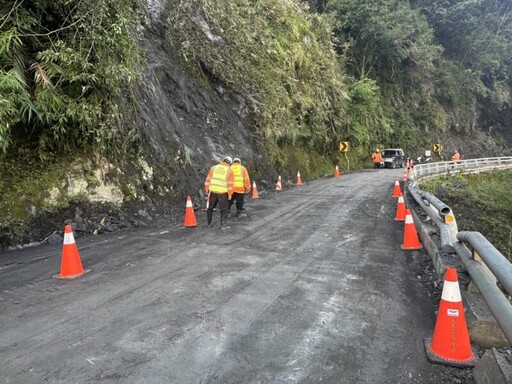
(219, 181)
(239, 177)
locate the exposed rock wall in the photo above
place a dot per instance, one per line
(187, 125)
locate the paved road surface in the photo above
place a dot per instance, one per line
(312, 287)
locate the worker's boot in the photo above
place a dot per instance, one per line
(240, 213)
(223, 224)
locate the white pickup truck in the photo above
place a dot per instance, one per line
(393, 158)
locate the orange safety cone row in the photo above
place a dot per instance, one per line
(411, 241)
(450, 343)
(279, 187)
(299, 180)
(337, 172)
(190, 216)
(71, 265)
(400, 209)
(396, 190)
(254, 191)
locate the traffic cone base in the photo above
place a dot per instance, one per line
(411, 241)
(190, 216)
(67, 277)
(449, 344)
(71, 265)
(435, 359)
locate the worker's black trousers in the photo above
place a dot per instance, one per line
(238, 198)
(222, 200)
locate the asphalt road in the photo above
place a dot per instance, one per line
(311, 287)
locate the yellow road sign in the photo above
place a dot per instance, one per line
(344, 146)
(436, 147)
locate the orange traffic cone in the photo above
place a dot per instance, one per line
(190, 216)
(299, 180)
(396, 191)
(71, 265)
(254, 191)
(411, 241)
(279, 187)
(400, 209)
(337, 172)
(450, 344)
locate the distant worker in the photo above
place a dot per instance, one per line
(456, 156)
(241, 185)
(410, 163)
(219, 187)
(377, 159)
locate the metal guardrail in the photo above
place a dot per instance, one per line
(498, 304)
(422, 171)
(484, 263)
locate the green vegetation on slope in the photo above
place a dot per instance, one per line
(63, 66)
(278, 56)
(373, 73)
(481, 202)
(440, 65)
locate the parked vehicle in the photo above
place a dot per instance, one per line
(393, 158)
(423, 159)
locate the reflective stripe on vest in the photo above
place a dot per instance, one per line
(239, 177)
(219, 182)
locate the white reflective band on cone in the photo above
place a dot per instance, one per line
(400, 199)
(189, 203)
(408, 219)
(68, 238)
(451, 292)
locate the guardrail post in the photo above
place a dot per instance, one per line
(449, 219)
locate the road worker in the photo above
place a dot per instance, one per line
(377, 159)
(219, 187)
(241, 185)
(410, 163)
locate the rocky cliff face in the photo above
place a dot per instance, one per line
(187, 125)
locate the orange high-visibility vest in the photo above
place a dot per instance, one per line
(217, 180)
(241, 182)
(456, 156)
(376, 157)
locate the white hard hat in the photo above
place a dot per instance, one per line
(236, 160)
(227, 159)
